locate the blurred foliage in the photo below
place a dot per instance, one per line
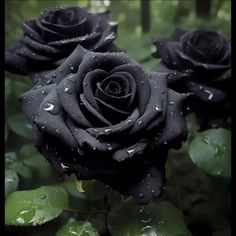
(202, 200)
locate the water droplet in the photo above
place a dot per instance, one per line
(128, 121)
(209, 93)
(141, 194)
(60, 70)
(58, 131)
(146, 221)
(141, 210)
(71, 78)
(64, 166)
(49, 106)
(43, 128)
(107, 130)
(109, 147)
(49, 81)
(20, 220)
(85, 84)
(110, 36)
(205, 140)
(156, 108)
(72, 67)
(54, 76)
(10, 180)
(164, 187)
(140, 122)
(67, 89)
(131, 151)
(147, 230)
(171, 103)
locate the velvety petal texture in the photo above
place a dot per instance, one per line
(50, 39)
(107, 119)
(199, 63)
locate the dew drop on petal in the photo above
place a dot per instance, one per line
(49, 106)
(107, 130)
(209, 93)
(140, 122)
(109, 147)
(64, 166)
(130, 151)
(72, 67)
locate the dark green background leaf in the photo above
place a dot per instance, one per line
(211, 151)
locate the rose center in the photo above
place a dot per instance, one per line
(64, 18)
(113, 88)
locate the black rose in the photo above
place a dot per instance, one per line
(50, 38)
(199, 62)
(110, 121)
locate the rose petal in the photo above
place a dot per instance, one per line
(206, 93)
(68, 98)
(50, 120)
(95, 115)
(31, 100)
(155, 108)
(89, 143)
(117, 129)
(174, 130)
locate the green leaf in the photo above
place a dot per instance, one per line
(20, 126)
(79, 228)
(21, 169)
(11, 181)
(31, 157)
(12, 162)
(20, 87)
(8, 91)
(94, 189)
(70, 185)
(10, 158)
(35, 207)
(211, 151)
(163, 218)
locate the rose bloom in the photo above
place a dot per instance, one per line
(109, 120)
(199, 62)
(49, 39)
